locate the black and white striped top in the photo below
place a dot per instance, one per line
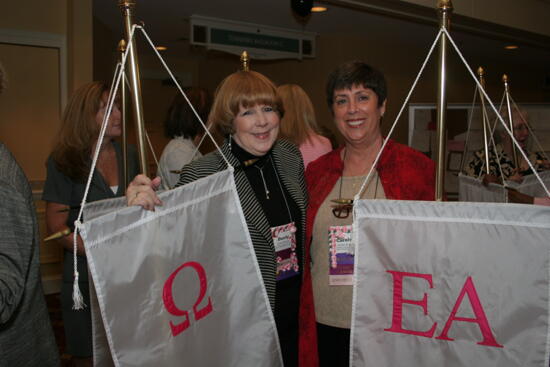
(290, 168)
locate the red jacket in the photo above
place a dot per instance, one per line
(405, 174)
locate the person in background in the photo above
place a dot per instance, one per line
(501, 158)
(269, 178)
(356, 96)
(299, 124)
(26, 337)
(185, 130)
(67, 171)
(504, 150)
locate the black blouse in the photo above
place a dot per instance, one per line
(287, 297)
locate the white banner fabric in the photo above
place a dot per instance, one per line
(450, 284)
(471, 189)
(181, 286)
(531, 185)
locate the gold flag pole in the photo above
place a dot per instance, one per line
(127, 6)
(245, 61)
(123, 114)
(59, 234)
(486, 130)
(445, 9)
(510, 119)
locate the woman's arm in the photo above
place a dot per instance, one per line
(56, 221)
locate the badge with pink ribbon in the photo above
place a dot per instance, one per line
(341, 255)
(284, 239)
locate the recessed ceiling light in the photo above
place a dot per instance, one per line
(161, 48)
(511, 47)
(319, 9)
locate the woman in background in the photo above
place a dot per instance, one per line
(68, 168)
(299, 124)
(501, 157)
(185, 130)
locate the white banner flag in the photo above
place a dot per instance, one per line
(472, 189)
(451, 284)
(531, 185)
(181, 286)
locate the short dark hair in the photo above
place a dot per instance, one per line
(180, 119)
(353, 73)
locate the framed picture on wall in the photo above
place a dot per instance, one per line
(453, 161)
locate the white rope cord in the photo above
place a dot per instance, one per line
(78, 301)
(467, 141)
(201, 141)
(164, 181)
(183, 93)
(493, 144)
(483, 160)
(151, 147)
(496, 112)
(369, 175)
(531, 130)
(493, 128)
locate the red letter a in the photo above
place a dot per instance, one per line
(480, 319)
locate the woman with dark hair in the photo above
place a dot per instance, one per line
(356, 96)
(269, 177)
(185, 130)
(68, 168)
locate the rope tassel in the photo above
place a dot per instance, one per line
(78, 300)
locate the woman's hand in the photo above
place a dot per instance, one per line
(487, 179)
(141, 191)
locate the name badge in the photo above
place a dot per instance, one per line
(284, 239)
(341, 255)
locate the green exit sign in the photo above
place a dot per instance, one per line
(261, 41)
